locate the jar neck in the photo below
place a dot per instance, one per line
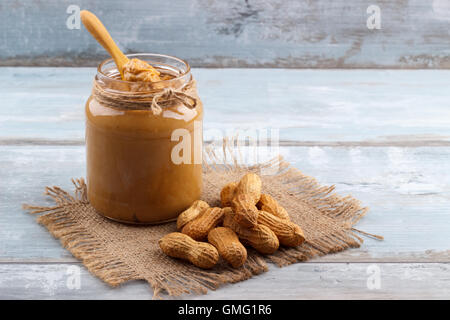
(108, 76)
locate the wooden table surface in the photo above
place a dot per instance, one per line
(382, 136)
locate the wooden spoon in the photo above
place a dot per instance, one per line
(99, 32)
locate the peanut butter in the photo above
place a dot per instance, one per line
(139, 70)
(132, 176)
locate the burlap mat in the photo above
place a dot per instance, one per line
(117, 253)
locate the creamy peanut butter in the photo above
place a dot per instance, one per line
(139, 70)
(131, 173)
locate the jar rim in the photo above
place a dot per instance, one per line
(137, 55)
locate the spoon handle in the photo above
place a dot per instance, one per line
(99, 32)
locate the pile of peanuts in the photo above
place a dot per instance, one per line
(246, 217)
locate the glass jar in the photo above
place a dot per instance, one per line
(144, 166)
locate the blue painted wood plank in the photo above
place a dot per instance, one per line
(383, 107)
(405, 188)
(300, 281)
(237, 33)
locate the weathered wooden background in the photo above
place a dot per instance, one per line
(382, 136)
(234, 33)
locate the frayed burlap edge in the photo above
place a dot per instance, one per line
(345, 212)
(100, 262)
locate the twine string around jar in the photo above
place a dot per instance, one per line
(169, 94)
(146, 100)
